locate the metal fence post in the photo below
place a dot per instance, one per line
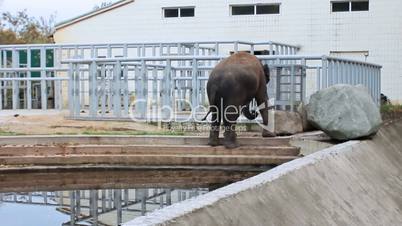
(71, 90)
(194, 86)
(292, 88)
(103, 90)
(58, 96)
(15, 84)
(324, 83)
(76, 100)
(303, 79)
(29, 83)
(117, 89)
(166, 93)
(217, 48)
(43, 76)
(1, 95)
(143, 89)
(126, 92)
(93, 95)
(155, 95)
(15, 91)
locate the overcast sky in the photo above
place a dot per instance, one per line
(64, 9)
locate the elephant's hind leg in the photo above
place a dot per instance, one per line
(229, 121)
(216, 123)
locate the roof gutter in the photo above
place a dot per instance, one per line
(88, 15)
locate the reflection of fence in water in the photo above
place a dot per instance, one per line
(111, 206)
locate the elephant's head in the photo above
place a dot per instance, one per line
(267, 74)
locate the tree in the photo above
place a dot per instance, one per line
(23, 29)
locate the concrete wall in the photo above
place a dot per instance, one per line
(308, 23)
(355, 183)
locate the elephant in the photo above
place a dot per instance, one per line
(231, 87)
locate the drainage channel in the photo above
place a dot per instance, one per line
(104, 195)
(110, 180)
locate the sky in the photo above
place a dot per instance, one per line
(64, 9)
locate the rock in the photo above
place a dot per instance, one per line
(301, 109)
(284, 122)
(344, 112)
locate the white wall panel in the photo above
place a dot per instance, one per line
(308, 23)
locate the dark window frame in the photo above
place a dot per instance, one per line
(255, 9)
(360, 9)
(240, 6)
(179, 9)
(278, 5)
(350, 6)
(340, 2)
(171, 9)
(186, 8)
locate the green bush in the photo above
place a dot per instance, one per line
(387, 108)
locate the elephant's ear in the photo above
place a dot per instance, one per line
(267, 73)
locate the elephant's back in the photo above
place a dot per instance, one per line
(241, 70)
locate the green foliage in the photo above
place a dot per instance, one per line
(388, 108)
(6, 133)
(23, 29)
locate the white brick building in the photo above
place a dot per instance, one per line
(366, 30)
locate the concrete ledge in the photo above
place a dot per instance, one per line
(355, 183)
(132, 140)
(144, 160)
(68, 178)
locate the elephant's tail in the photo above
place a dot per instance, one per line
(214, 99)
(206, 116)
(251, 115)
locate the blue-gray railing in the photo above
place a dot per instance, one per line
(156, 84)
(35, 66)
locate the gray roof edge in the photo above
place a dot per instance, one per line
(92, 13)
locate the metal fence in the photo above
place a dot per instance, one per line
(173, 87)
(28, 72)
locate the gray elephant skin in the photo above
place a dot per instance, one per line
(232, 85)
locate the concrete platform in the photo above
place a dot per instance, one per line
(355, 183)
(141, 151)
(132, 140)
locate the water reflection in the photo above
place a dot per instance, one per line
(94, 207)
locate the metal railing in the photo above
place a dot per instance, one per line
(165, 87)
(37, 65)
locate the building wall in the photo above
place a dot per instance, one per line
(308, 23)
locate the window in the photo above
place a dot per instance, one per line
(243, 10)
(187, 12)
(340, 6)
(171, 13)
(179, 12)
(257, 9)
(360, 6)
(268, 9)
(347, 6)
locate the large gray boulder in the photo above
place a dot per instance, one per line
(344, 112)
